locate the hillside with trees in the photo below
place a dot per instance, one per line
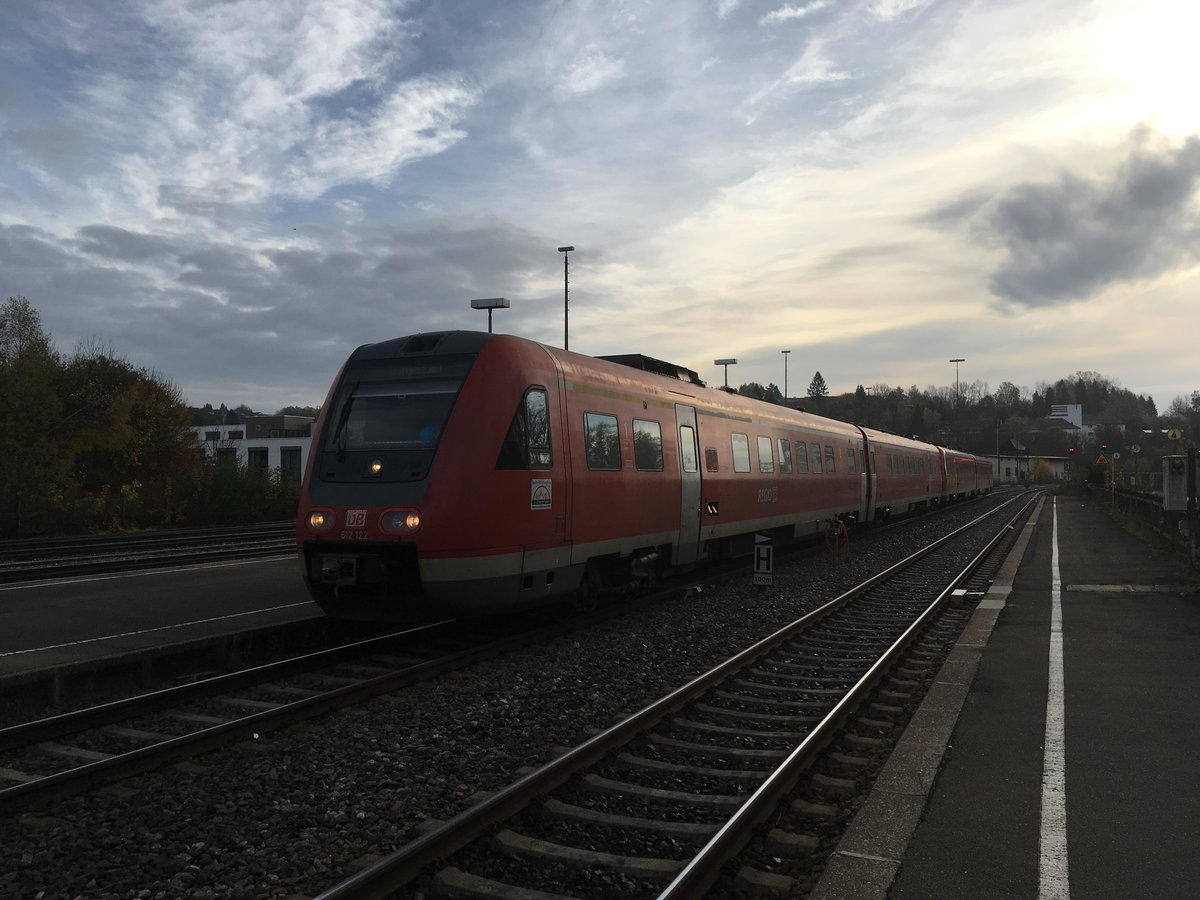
(91, 442)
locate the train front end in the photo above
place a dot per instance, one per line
(366, 504)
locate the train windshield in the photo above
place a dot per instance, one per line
(394, 404)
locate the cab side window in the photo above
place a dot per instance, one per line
(527, 444)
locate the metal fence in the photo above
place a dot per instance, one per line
(1147, 509)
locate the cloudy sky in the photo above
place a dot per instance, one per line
(239, 192)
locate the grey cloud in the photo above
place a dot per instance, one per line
(275, 324)
(1070, 238)
(109, 242)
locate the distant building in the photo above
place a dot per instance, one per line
(1015, 465)
(1070, 417)
(266, 442)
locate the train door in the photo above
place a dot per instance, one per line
(687, 548)
(870, 481)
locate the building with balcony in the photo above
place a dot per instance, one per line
(263, 442)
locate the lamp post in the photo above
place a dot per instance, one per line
(726, 363)
(566, 308)
(957, 436)
(785, 361)
(489, 304)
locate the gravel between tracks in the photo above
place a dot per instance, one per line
(297, 812)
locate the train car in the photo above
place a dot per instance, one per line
(460, 473)
(964, 475)
(908, 475)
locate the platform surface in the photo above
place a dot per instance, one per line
(958, 811)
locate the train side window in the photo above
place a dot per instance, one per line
(687, 449)
(741, 452)
(527, 444)
(785, 456)
(849, 459)
(601, 441)
(766, 462)
(816, 460)
(830, 460)
(801, 457)
(712, 462)
(647, 445)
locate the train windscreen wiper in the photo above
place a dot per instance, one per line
(339, 433)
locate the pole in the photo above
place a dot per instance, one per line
(566, 305)
(957, 432)
(785, 360)
(1191, 505)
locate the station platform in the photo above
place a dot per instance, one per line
(1058, 754)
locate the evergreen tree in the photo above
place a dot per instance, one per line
(817, 388)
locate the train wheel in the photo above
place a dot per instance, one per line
(586, 597)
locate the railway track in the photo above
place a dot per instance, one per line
(72, 752)
(45, 558)
(659, 804)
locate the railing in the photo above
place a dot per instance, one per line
(1144, 508)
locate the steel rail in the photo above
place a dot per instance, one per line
(396, 869)
(249, 727)
(27, 733)
(24, 547)
(63, 558)
(699, 875)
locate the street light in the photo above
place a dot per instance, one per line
(566, 310)
(490, 304)
(726, 363)
(957, 435)
(785, 360)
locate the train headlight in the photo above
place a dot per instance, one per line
(375, 467)
(319, 520)
(400, 521)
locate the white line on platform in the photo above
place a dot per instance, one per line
(113, 637)
(1053, 873)
(140, 573)
(1126, 588)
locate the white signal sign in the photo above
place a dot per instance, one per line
(764, 560)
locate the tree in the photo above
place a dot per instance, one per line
(751, 389)
(311, 411)
(1008, 396)
(33, 466)
(817, 388)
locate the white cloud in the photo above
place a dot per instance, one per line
(893, 9)
(592, 71)
(790, 13)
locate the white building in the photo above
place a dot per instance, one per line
(266, 442)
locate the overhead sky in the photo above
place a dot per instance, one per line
(239, 192)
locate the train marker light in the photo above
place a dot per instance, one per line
(400, 521)
(320, 520)
(375, 468)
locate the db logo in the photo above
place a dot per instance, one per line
(356, 518)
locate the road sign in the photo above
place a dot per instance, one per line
(1102, 460)
(1174, 434)
(1116, 455)
(764, 560)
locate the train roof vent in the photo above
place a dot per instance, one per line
(423, 343)
(657, 366)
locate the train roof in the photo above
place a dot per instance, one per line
(441, 342)
(657, 366)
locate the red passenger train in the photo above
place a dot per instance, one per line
(462, 473)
